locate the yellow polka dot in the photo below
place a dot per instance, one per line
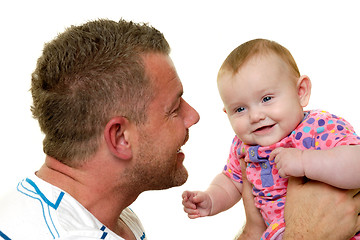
(275, 225)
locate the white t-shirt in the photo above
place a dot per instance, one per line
(41, 211)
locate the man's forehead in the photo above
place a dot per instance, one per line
(163, 76)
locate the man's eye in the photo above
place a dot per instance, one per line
(240, 109)
(266, 99)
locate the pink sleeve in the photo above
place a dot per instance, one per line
(329, 131)
(232, 169)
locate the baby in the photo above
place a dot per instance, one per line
(264, 97)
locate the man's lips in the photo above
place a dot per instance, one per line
(185, 140)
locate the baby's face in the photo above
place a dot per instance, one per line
(261, 100)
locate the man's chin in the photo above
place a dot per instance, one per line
(181, 179)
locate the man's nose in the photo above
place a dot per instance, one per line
(192, 116)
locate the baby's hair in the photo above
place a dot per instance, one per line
(257, 47)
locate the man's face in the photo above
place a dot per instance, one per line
(159, 156)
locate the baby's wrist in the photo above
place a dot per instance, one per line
(304, 161)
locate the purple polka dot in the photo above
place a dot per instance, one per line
(340, 122)
(340, 128)
(324, 136)
(236, 177)
(310, 120)
(308, 142)
(321, 122)
(280, 204)
(298, 136)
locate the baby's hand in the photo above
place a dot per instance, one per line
(196, 204)
(288, 161)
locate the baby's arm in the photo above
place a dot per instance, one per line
(222, 194)
(338, 166)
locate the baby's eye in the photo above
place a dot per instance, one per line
(240, 109)
(266, 99)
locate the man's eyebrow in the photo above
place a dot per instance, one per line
(176, 99)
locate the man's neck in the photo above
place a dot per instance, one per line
(94, 187)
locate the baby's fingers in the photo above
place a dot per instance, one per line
(274, 153)
(188, 204)
(192, 213)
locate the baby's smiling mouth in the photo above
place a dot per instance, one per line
(263, 129)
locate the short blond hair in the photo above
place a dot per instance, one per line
(257, 47)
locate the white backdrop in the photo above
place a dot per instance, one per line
(323, 37)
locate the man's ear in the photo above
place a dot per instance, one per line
(304, 90)
(116, 135)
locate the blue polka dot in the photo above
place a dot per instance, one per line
(321, 122)
(340, 128)
(306, 129)
(320, 129)
(330, 122)
(280, 204)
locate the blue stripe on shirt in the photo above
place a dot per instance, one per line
(3, 236)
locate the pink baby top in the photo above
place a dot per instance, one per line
(318, 130)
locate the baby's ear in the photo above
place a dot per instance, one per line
(304, 90)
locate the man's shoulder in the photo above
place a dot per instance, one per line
(35, 209)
